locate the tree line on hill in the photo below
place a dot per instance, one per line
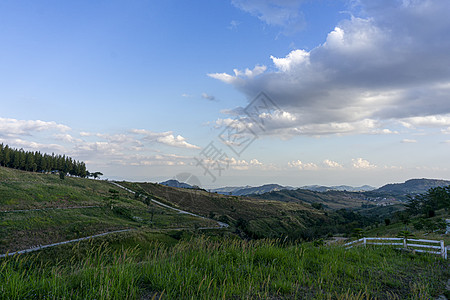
(38, 162)
(429, 202)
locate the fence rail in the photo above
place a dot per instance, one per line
(435, 247)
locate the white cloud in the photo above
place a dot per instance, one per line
(387, 62)
(177, 141)
(239, 76)
(292, 60)
(426, 121)
(67, 138)
(302, 166)
(409, 141)
(34, 146)
(14, 127)
(332, 164)
(359, 163)
(166, 138)
(241, 164)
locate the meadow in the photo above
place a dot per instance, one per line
(203, 267)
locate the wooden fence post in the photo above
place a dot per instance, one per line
(443, 250)
(364, 241)
(404, 244)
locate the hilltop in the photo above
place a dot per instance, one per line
(412, 186)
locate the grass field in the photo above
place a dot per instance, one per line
(212, 268)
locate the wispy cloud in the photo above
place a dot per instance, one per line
(208, 97)
(283, 14)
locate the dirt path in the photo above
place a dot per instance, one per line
(62, 243)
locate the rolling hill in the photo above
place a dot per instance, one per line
(412, 186)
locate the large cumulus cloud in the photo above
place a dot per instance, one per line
(388, 62)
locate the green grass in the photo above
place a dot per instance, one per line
(204, 268)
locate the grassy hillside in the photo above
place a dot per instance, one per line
(26, 190)
(258, 218)
(43, 209)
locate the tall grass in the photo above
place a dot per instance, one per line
(228, 269)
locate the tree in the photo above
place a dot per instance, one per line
(96, 174)
(358, 233)
(1, 154)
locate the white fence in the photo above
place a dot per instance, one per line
(417, 245)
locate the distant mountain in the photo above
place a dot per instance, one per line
(412, 186)
(177, 184)
(321, 188)
(249, 190)
(229, 189)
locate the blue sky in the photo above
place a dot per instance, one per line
(139, 89)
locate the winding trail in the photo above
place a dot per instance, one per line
(221, 224)
(48, 208)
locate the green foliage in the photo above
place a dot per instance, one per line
(317, 205)
(430, 225)
(429, 202)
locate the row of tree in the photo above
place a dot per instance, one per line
(38, 162)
